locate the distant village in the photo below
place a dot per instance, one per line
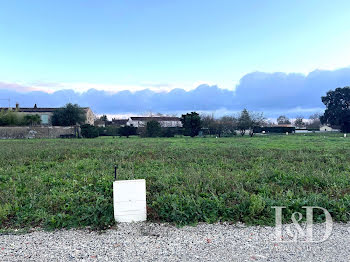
(46, 114)
(209, 126)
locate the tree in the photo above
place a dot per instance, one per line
(191, 123)
(314, 121)
(69, 115)
(218, 127)
(103, 118)
(257, 120)
(337, 111)
(283, 120)
(208, 122)
(315, 116)
(32, 120)
(127, 131)
(244, 121)
(214, 126)
(153, 129)
(299, 122)
(229, 124)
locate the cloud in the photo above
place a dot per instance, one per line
(16, 87)
(272, 93)
(286, 91)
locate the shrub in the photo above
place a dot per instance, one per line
(257, 205)
(10, 118)
(127, 131)
(32, 120)
(108, 131)
(5, 210)
(89, 131)
(168, 132)
(13, 118)
(153, 129)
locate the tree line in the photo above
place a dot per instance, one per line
(229, 125)
(337, 113)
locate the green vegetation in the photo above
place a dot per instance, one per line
(191, 123)
(68, 183)
(153, 129)
(69, 115)
(108, 131)
(229, 125)
(127, 131)
(32, 120)
(89, 131)
(337, 111)
(13, 118)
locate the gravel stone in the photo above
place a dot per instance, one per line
(163, 242)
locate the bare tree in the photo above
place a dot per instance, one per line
(208, 122)
(283, 120)
(299, 122)
(229, 124)
(314, 121)
(257, 120)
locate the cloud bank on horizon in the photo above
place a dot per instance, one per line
(272, 93)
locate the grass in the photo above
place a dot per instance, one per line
(68, 183)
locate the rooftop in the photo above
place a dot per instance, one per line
(156, 118)
(119, 121)
(34, 109)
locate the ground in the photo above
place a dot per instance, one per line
(161, 242)
(68, 183)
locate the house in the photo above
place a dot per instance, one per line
(115, 122)
(118, 122)
(326, 128)
(165, 121)
(100, 123)
(46, 113)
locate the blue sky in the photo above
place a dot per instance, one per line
(162, 45)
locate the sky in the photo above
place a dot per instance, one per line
(134, 45)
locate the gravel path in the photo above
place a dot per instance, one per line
(154, 242)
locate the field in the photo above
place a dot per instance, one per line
(68, 183)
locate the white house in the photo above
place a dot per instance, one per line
(325, 128)
(165, 121)
(46, 113)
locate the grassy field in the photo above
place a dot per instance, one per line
(68, 183)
